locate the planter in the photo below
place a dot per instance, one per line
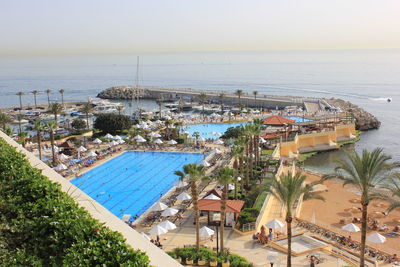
(178, 260)
(213, 263)
(226, 264)
(189, 262)
(201, 262)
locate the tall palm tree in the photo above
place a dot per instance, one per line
(5, 119)
(20, 94)
(87, 108)
(289, 189)
(196, 136)
(19, 119)
(62, 91)
(35, 93)
(221, 97)
(52, 126)
(255, 93)
(120, 108)
(394, 187)
(48, 91)
(224, 177)
(22, 137)
(55, 108)
(38, 127)
(365, 172)
(193, 173)
(239, 94)
(202, 100)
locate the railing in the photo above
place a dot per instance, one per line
(247, 227)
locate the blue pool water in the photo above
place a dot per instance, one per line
(297, 119)
(133, 181)
(205, 129)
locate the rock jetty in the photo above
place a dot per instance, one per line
(121, 92)
(364, 120)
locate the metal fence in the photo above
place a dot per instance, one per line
(248, 227)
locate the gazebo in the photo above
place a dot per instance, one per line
(68, 147)
(214, 192)
(277, 121)
(233, 208)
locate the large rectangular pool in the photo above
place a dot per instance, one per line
(133, 181)
(206, 129)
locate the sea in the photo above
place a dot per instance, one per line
(365, 77)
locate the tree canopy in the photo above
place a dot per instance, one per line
(112, 123)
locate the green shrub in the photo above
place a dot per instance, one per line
(42, 226)
(112, 123)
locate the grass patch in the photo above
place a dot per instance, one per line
(260, 200)
(358, 138)
(305, 156)
(267, 152)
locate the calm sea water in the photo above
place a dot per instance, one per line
(364, 77)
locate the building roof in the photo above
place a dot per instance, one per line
(215, 205)
(271, 136)
(67, 144)
(214, 192)
(277, 120)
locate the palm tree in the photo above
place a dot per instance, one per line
(394, 187)
(62, 91)
(221, 97)
(255, 93)
(224, 177)
(52, 126)
(203, 99)
(194, 174)
(159, 103)
(38, 127)
(365, 172)
(5, 119)
(239, 94)
(20, 94)
(87, 108)
(196, 136)
(48, 91)
(35, 93)
(289, 189)
(120, 108)
(55, 108)
(22, 137)
(19, 118)
(9, 132)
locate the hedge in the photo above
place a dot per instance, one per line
(41, 225)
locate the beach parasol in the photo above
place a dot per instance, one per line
(91, 154)
(109, 136)
(205, 163)
(169, 212)
(351, 228)
(81, 149)
(201, 139)
(145, 236)
(216, 134)
(140, 139)
(216, 151)
(97, 141)
(376, 238)
(183, 196)
(167, 225)
(212, 196)
(114, 143)
(206, 232)
(180, 184)
(274, 224)
(56, 149)
(167, 117)
(218, 142)
(60, 167)
(120, 141)
(158, 141)
(117, 137)
(262, 140)
(158, 206)
(63, 156)
(158, 230)
(172, 142)
(156, 135)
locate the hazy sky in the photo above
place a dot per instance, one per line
(53, 26)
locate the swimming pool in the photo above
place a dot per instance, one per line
(133, 181)
(297, 119)
(206, 129)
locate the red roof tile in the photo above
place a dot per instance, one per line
(215, 205)
(277, 120)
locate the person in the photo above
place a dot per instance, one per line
(312, 261)
(396, 228)
(270, 235)
(158, 238)
(393, 258)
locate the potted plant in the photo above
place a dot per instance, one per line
(201, 262)
(213, 260)
(189, 261)
(226, 263)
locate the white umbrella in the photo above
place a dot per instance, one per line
(60, 167)
(157, 135)
(216, 134)
(262, 140)
(376, 238)
(114, 143)
(218, 142)
(167, 225)
(138, 137)
(212, 196)
(183, 196)
(92, 154)
(206, 232)
(180, 184)
(172, 142)
(205, 163)
(201, 139)
(153, 134)
(230, 187)
(169, 212)
(117, 137)
(140, 140)
(145, 236)
(120, 141)
(97, 141)
(351, 228)
(109, 136)
(158, 121)
(158, 206)
(56, 149)
(274, 224)
(158, 141)
(216, 151)
(81, 149)
(63, 156)
(167, 117)
(158, 230)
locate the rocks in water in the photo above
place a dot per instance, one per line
(363, 119)
(121, 92)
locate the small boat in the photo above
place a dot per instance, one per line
(389, 100)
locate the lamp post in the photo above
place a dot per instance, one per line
(216, 220)
(236, 182)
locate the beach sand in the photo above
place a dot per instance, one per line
(328, 213)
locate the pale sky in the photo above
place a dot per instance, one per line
(118, 26)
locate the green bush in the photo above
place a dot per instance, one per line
(112, 123)
(42, 226)
(78, 124)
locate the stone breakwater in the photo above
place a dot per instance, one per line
(363, 119)
(121, 92)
